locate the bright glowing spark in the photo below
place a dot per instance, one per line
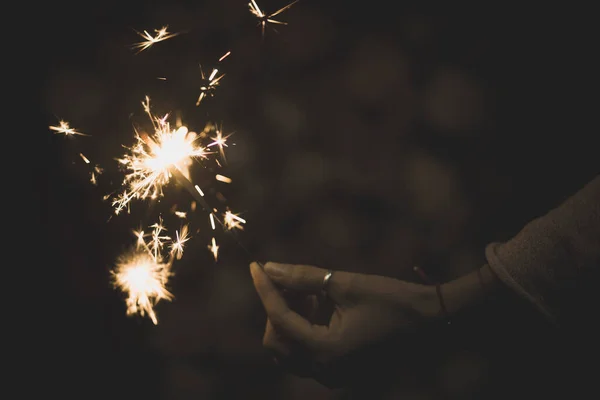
(140, 238)
(161, 34)
(265, 18)
(84, 158)
(65, 129)
(143, 279)
(181, 214)
(224, 56)
(214, 249)
(222, 178)
(143, 276)
(158, 240)
(209, 85)
(232, 221)
(142, 273)
(150, 161)
(220, 141)
(212, 221)
(199, 190)
(181, 238)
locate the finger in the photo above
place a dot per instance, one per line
(276, 343)
(288, 322)
(310, 279)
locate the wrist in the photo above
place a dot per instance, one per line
(443, 301)
(468, 290)
(430, 306)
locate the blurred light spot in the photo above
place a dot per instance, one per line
(285, 117)
(453, 102)
(376, 70)
(434, 188)
(303, 173)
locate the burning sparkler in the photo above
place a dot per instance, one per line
(152, 160)
(264, 18)
(156, 157)
(161, 34)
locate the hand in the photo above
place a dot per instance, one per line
(316, 335)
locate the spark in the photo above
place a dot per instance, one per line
(181, 238)
(94, 174)
(224, 56)
(161, 34)
(158, 239)
(151, 160)
(265, 18)
(181, 214)
(64, 128)
(143, 274)
(232, 221)
(222, 178)
(211, 83)
(84, 158)
(214, 249)
(220, 141)
(199, 190)
(212, 221)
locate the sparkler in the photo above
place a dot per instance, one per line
(154, 159)
(264, 18)
(161, 35)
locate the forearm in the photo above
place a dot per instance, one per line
(545, 263)
(551, 259)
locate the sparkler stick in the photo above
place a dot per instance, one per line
(231, 220)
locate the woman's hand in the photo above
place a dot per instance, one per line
(317, 335)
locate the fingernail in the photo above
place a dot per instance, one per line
(253, 267)
(275, 269)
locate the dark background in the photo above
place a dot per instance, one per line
(369, 137)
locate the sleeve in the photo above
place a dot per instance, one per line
(553, 255)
